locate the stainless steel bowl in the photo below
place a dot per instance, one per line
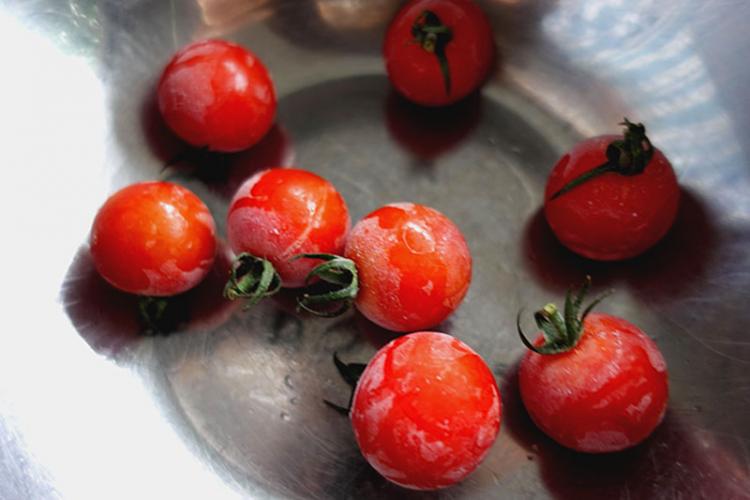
(232, 405)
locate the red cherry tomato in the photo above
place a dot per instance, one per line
(282, 212)
(414, 266)
(426, 411)
(154, 239)
(438, 51)
(612, 216)
(218, 95)
(606, 394)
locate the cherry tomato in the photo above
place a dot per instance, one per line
(438, 51)
(413, 263)
(282, 212)
(154, 239)
(612, 216)
(218, 95)
(600, 388)
(426, 411)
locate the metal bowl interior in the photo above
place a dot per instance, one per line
(232, 405)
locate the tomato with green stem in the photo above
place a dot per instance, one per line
(592, 382)
(274, 216)
(438, 51)
(612, 197)
(405, 267)
(426, 410)
(155, 239)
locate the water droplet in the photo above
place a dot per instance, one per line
(293, 400)
(288, 381)
(417, 239)
(285, 416)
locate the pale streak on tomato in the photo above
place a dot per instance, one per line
(606, 394)
(280, 213)
(153, 238)
(218, 95)
(426, 411)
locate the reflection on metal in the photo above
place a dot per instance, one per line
(221, 17)
(654, 61)
(232, 406)
(72, 24)
(356, 14)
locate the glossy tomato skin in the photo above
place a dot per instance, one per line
(153, 238)
(611, 217)
(416, 74)
(606, 394)
(414, 266)
(280, 213)
(426, 411)
(218, 95)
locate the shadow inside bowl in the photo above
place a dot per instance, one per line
(664, 272)
(109, 320)
(678, 460)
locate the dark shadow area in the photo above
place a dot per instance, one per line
(164, 144)
(222, 173)
(109, 321)
(676, 461)
(682, 257)
(374, 335)
(553, 265)
(106, 318)
(426, 133)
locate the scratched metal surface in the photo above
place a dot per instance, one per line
(231, 406)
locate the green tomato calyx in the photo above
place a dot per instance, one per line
(331, 286)
(252, 278)
(433, 36)
(561, 331)
(627, 156)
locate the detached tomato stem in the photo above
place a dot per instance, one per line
(252, 278)
(627, 156)
(351, 373)
(561, 333)
(432, 35)
(151, 311)
(160, 315)
(338, 284)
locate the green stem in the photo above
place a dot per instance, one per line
(587, 176)
(151, 312)
(433, 36)
(627, 156)
(336, 288)
(161, 315)
(561, 334)
(351, 373)
(252, 278)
